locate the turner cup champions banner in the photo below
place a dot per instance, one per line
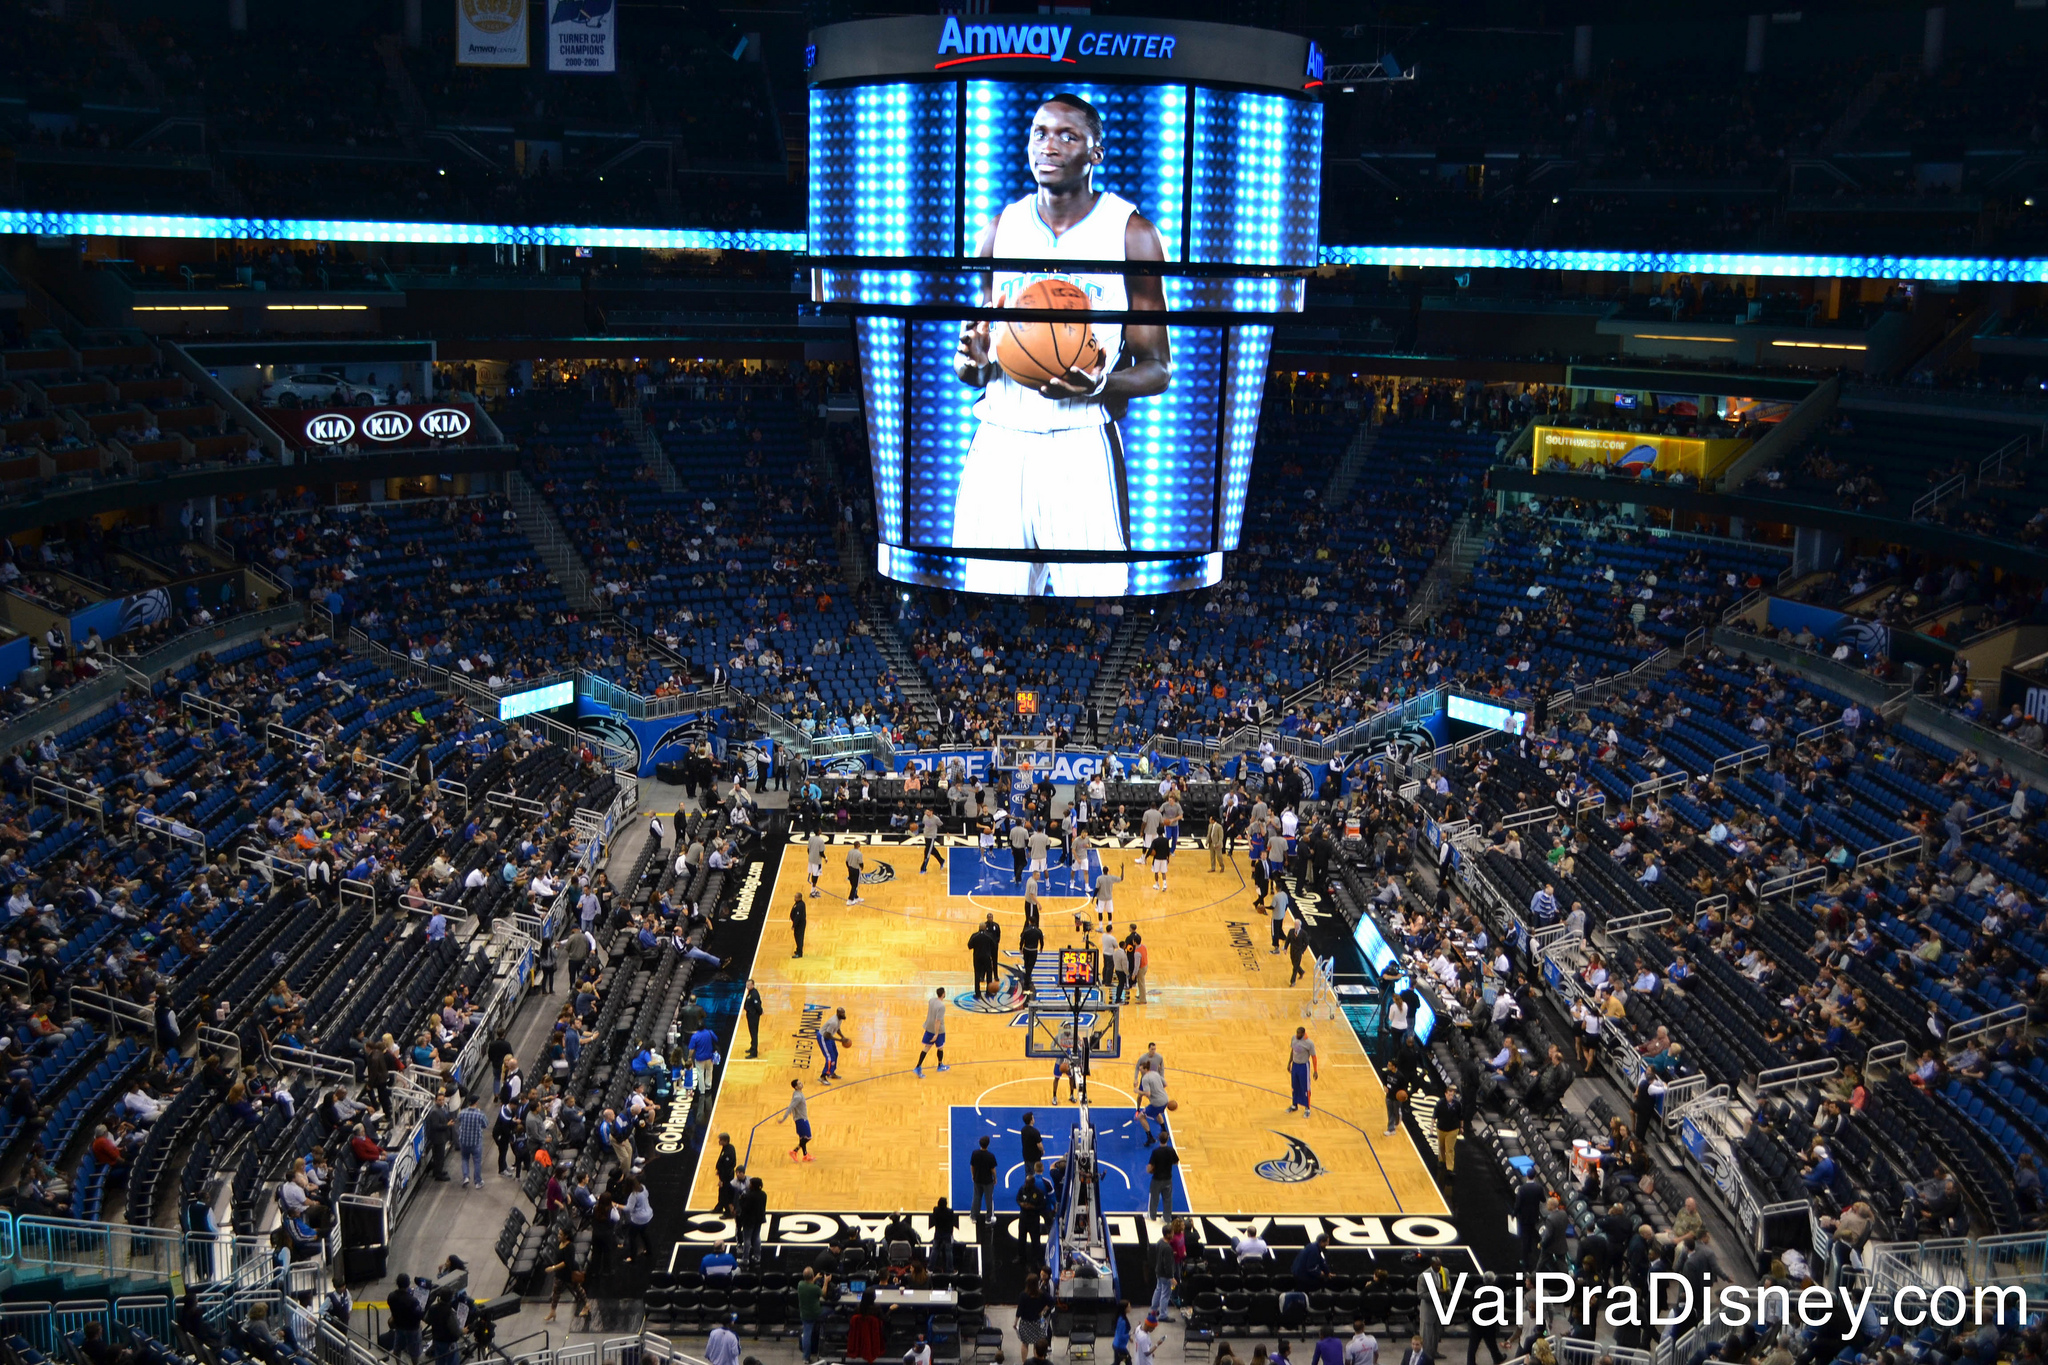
(583, 36)
(490, 33)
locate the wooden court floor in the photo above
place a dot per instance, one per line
(1220, 1009)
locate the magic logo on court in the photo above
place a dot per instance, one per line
(1300, 1164)
(877, 873)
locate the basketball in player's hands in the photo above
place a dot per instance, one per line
(1033, 352)
(1172, 1105)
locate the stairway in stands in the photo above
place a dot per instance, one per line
(652, 453)
(540, 524)
(924, 704)
(1125, 650)
(1356, 457)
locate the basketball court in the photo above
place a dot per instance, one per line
(1219, 1007)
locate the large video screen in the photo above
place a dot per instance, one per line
(1096, 454)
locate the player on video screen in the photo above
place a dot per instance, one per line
(1046, 469)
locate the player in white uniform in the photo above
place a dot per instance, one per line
(1046, 471)
(815, 848)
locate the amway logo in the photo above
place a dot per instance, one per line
(986, 42)
(981, 42)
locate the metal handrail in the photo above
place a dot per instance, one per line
(1982, 1024)
(1934, 497)
(1798, 1073)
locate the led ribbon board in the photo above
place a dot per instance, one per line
(82, 223)
(537, 699)
(1474, 712)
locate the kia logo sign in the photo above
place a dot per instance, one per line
(445, 424)
(387, 426)
(330, 428)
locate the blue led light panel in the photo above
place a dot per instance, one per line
(939, 429)
(1257, 176)
(1144, 137)
(880, 343)
(882, 170)
(1148, 577)
(1244, 387)
(1169, 445)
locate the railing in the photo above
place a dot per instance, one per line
(112, 1008)
(339, 1069)
(1994, 463)
(1816, 733)
(268, 863)
(1937, 495)
(1982, 1024)
(1886, 1054)
(2018, 1258)
(1741, 759)
(224, 1042)
(1641, 919)
(208, 707)
(1682, 1090)
(175, 830)
(1535, 815)
(1793, 883)
(1884, 853)
(53, 1246)
(63, 793)
(357, 894)
(1797, 1074)
(1938, 1261)
(1653, 786)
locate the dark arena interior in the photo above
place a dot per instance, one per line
(1446, 599)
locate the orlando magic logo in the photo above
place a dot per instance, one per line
(1298, 1165)
(876, 873)
(1873, 638)
(1008, 999)
(612, 731)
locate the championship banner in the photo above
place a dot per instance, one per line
(583, 36)
(491, 33)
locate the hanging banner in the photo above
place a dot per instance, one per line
(583, 36)
(490, 33)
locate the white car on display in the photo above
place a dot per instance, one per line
(309, 389)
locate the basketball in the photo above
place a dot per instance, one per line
(1172, 1105)
(1033, 351)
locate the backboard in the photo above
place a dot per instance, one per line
(1050, 1032)
(1030, 756)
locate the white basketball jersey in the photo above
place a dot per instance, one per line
(1021, 234)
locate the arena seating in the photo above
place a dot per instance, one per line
(725, 559)
(143, 418)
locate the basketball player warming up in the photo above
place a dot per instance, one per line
(1046, 470)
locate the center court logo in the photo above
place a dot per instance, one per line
(877, 874)
(1300, 1164)
(1008, 999)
